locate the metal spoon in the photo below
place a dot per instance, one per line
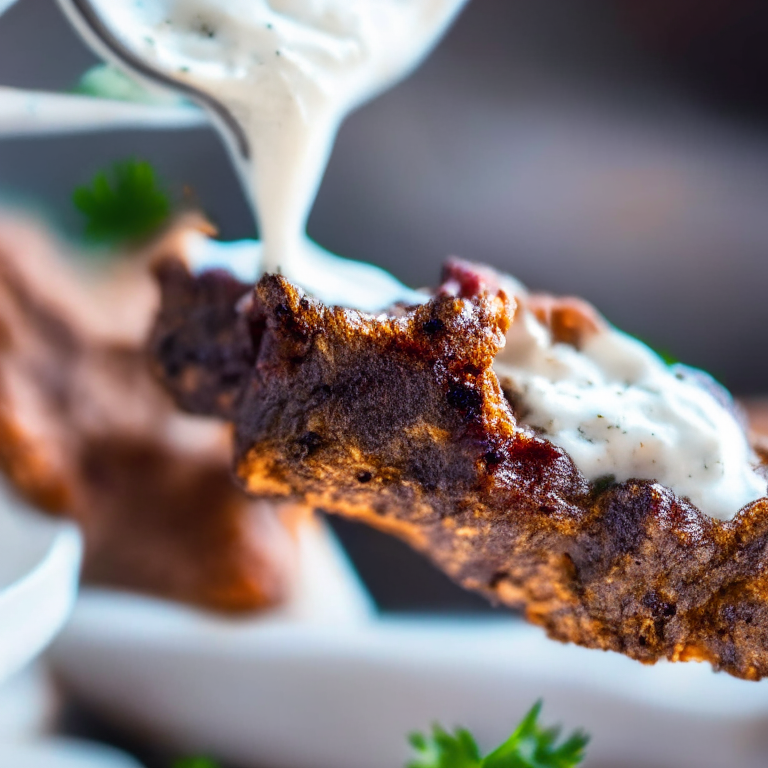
(31, 113)
(97, 33)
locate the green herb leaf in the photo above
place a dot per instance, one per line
(104, 81)
(530, 746)
(123, 204)
(663, 353)
(666, 356)
(445, 750)
(603, 483)
(196, 762)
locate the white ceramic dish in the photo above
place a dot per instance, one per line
(328, 595)
(39, 569)
(311, 694)
(28, 705)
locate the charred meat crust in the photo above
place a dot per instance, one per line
(400, 422)
(206, 345)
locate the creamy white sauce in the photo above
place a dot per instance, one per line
(333, 280)
(289, 71)
(619, 410)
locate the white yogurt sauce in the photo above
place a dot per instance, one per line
(289, 71)
(618, 409)
(336, 281)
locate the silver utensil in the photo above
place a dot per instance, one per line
(40, 113)
(5, 5)
(97, 32)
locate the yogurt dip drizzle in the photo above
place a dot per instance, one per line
(288, 71)
(619, 410)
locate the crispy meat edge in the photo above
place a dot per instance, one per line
(399, 421)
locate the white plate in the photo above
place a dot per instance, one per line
(62, 753)
(328, 594)
(293, 694)
(39, 569)
(28, 705)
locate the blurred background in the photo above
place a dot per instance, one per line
(614, 149)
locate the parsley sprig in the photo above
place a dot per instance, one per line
(103, 81)
(123, 204)
(662, 352)
(530, 746)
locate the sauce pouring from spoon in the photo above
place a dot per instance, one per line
(277, 77)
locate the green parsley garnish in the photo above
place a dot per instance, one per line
(123, 204)
(667, 356)
(196, 762)
(662, 352)
(104, 81)
(530, 746)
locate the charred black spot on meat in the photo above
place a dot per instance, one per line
(658, 607)
(433, 327)
(466, 399)
(311, 442)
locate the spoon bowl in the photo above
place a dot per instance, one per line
(90, 19)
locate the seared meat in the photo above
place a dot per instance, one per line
(400, 421)
(86, 432)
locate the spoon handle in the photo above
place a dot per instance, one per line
(29, 113)
(5, 5)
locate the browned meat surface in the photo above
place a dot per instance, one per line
(400, 422)
(86, 432)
